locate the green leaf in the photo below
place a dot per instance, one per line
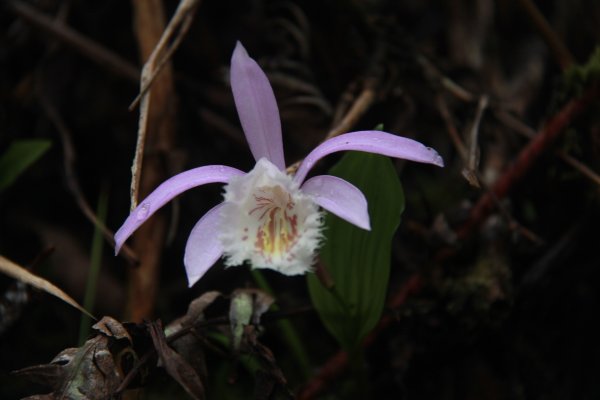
(358, 260)
(18, 157)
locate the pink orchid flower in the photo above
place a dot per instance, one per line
(268, 217)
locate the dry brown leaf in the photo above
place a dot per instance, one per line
(190, 345)
(175, 364)
(110, 327)
(194, 313)
(17, 272)
(93, 371)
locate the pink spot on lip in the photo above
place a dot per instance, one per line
(278, 225)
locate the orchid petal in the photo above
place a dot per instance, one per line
(203, 247)
(167, 191)
(371, 142)
(339, 197)
(257, 108)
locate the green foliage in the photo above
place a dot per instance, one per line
(18, 157)
(582, 75)
(240, 314)
(286, 328)
(357, 260)
(95, 262)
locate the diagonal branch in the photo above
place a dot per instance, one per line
(527, 157)
(73, 183)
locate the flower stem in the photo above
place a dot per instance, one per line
(95, 261)
(286, 328)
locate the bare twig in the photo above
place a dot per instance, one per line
(357, 110)
(514, 123)
(527, 131)
(579, 166)
(563, 56)
(157, 120)
(345, 102)
(451, 127)
(179, 24)
(72, 181)
(136, 167)
(435, 75)
(470, 170)
(476, 176)
(94, 51)
(22, 274)
(360, 106)
(364, 101)
(526, 159)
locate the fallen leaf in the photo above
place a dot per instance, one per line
(112, 328)
(175, 364)
(270, 380)
(91, 372)
(190, 346)
(195, 312)
(17, 272)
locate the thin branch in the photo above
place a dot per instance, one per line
(435, 75)
(357, 110)
(179, 24)
(579, 166)
(451, 127)
(136, 167)
(527, 157)
(470, 171)
(563, 56)
(515, 123)
(73, 183)
(472, 174)
(527, 131)
(94, 51)
(359, 107)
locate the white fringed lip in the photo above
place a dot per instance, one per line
(268, 221)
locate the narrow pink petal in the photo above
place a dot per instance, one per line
(257, 108)
(340, 198)
(371, 142)
(203, 247)
(169, 189)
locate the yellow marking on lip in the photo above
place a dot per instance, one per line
(278, 229)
